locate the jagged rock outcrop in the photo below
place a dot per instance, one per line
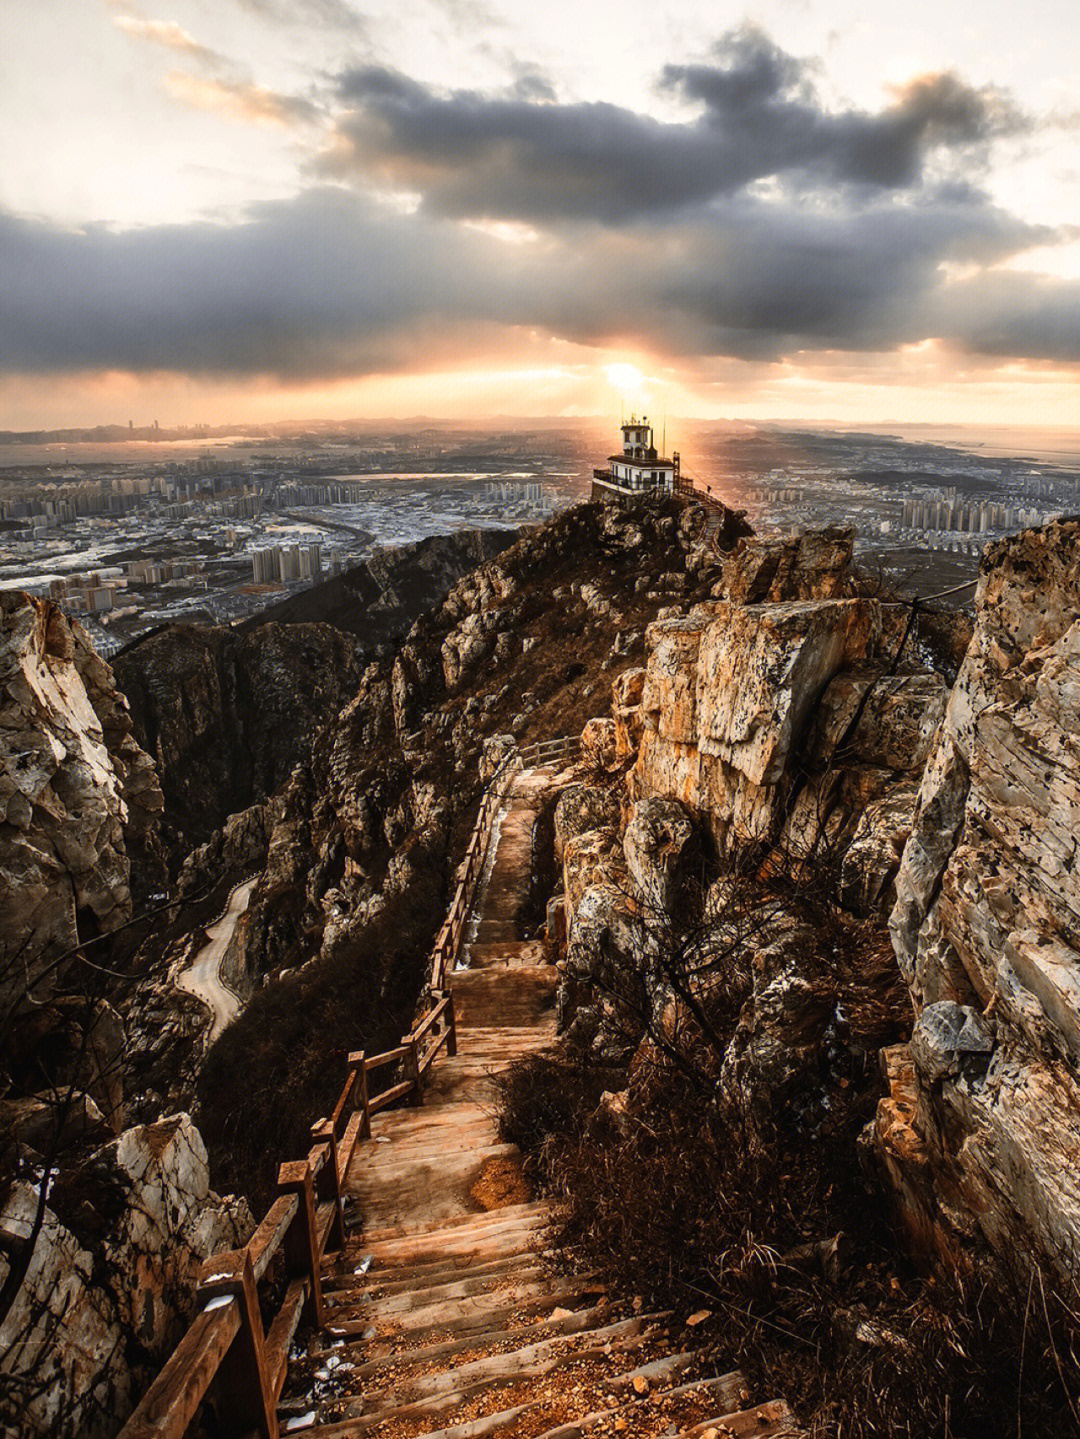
(782, 732)
(76, 791)
(783, 722)
(812, 565)
(985, 925)
(112, 1278)
(495, 661)
(655, 842)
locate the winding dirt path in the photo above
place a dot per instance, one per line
(202, 977)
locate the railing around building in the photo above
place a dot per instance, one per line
(226, 1344)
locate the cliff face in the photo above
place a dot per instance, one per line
(112, 1278)
(77, 793)
(227, 716)
(982, 1126)
(800, 720)
(228, 713)
(771, 738)
(787, 729)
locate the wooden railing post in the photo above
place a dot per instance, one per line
(363, 1099)
(451, 1025)
(411, 1066)
(301, 1238)
(243, 1394)
(328, 1183)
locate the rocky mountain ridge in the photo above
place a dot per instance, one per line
(775, 760)
(804, 730)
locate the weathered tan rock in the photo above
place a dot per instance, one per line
(655, 843)
(813, 565)
(762, 668)
(599, 750)
(780, 717)
(169, 1224)
(589, 859)
(147, 1196)
(872, 859)
(669, 692)
(988, 898)
(626, 708)
(496, 750)
(61, 1344)
(580, 808)
(74, 788)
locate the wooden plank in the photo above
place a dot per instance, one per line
(268, 1238)
(241, 1392)
(281, 1335)
(433, 1050)
(173, 1399)
(379, 1061)
(348, 1143)
(388, 1096)
(433, 1016)
(301, 1246)
(324, 1222)
(345, 1098)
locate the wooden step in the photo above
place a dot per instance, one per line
(459, 1326)
(392, 1350)
(531, 1417)
(477, 1319)
(528, 1277)
(377, 1283)
(458, 1315)
(421, 1394)
(534, 1209)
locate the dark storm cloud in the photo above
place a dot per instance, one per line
(331, 284)
(1010, 314)
(759, 116)
(648, 234)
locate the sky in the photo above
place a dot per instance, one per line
(256, 210)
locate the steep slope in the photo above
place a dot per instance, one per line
(982, 1128)
(378, 600)
(227, 716)
(77, 793)
(370, 828)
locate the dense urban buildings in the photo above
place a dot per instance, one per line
(132, 535)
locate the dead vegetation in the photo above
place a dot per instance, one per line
(784, 1240)
(762, 1211)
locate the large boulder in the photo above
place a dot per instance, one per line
(124, 1294)
(599, 747)
(812, 565)
(655, 845)
(595, 857)
(581, 808)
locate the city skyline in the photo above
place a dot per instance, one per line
(262, 211)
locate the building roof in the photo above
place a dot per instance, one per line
(658, 463)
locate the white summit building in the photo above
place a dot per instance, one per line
(639, 469)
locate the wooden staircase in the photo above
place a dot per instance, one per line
(447, 1317)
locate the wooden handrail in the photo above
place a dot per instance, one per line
(270, 1235)
(225, 1341)
(377, 1061)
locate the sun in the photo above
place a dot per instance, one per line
(623, 376)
